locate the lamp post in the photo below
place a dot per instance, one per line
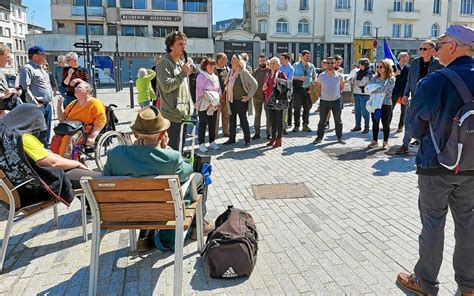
(86, 22)
(377, 42)
(117, 62)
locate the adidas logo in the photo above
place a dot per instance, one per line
(230, 273)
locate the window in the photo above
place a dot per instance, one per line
(409, 5)
(111, 3)
(408, 33)
(436, 7)
(304, 4)
(466, 6)
(3, 16)
(303, 26)
(165, 4)
(93, 29)
(195, 32)
(16, 45)
(397, 5)
(89, 2)
(367, 29)
(282, 5)
(434, 30)
(368, 5)
(20, 29)
(133, 4)
(8, 33)
(282, 26)
(163, 31)
(15, 29)
(111, 30)
(342, 4)
(341, 27)
(396, 30)
(195, 5)
(141, 31)
(262, 26)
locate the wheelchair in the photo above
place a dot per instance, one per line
(107, 139)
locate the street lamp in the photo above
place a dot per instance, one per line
(377, 42)
(117, 62)
(86, 22)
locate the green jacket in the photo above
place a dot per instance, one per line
(145, 91)
(173, 85)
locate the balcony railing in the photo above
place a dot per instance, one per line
(91, 11)
(342, 7)
(263, 9)
(281, 7)
(413, 14)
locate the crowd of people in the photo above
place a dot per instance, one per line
(282, 90)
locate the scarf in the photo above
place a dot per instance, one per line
(361, 73)
(211, 77)
(230, 85)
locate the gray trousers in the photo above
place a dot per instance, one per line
(436, 194)
(260, 106)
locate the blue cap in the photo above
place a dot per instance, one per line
(460, 33)
(36, 50)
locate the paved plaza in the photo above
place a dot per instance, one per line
(352, 237)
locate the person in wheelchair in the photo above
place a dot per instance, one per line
(150, 155)
(86, 109)
(23, 157)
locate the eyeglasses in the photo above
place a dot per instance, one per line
(331, 63)
(424, 48)
(379, 67)
(438, 45)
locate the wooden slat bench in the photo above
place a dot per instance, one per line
(10, 199)
(142, 203)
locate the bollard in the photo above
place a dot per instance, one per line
(132, 101)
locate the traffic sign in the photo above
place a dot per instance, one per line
(93, 45)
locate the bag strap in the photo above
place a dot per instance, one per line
(65, 115)
(458, 83)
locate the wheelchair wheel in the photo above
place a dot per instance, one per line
(106, 142)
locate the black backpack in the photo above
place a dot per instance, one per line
(458, 154)
(231, 248)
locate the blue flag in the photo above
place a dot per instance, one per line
(388, 54)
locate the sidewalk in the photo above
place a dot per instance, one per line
(357, 232)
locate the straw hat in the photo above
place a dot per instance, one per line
(149, 121)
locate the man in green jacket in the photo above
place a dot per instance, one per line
(150, 156)
(146, 94)
(173, 84)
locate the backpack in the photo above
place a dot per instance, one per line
(231, 248)
(458, 154)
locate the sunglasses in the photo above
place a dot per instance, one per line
(379, 67)
(331, 63)
(438, 45)
(424, 48)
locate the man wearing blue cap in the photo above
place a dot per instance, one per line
(435, 104)
(37, 87)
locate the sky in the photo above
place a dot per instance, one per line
(39, 11)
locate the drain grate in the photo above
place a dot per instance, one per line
(281, 191)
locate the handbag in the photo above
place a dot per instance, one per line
(68, 127)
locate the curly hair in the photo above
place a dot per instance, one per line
(172, 38)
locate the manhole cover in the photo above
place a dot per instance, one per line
(280, 191)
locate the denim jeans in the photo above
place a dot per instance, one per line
(436, 194)
(324, 108)
(361, 111)
(45, 136)
(301, 99)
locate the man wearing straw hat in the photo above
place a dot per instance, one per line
(151, 156)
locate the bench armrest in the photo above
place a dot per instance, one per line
(191, 182)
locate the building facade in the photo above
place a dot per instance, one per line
(135, 30)
(19, 29)
(350, 27)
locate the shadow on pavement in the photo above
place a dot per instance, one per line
(397, 164)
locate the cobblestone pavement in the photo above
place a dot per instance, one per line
(352, 237)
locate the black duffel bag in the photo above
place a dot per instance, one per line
(231, 248)
(68, 127)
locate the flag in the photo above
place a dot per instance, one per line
(388, 54)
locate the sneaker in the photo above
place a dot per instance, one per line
(247, 144)
(317, 140)
(326, 126)
(365, 131)
(256, 137)
(399, 129)
(373, 144)
(202, 148)
(415, 143)
(306, 129)
(356, 129)
(214, 146)
(341, 141)
(296, 129)
(384, 145)
(402, 150)
(408, 283)
(206, 228)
